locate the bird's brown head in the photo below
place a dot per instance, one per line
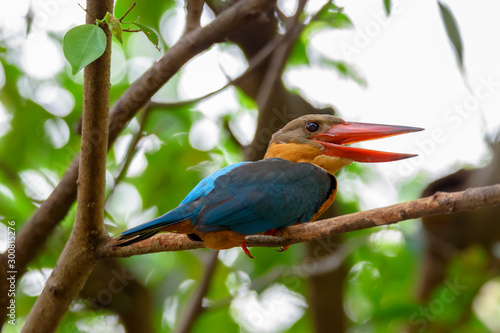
(322, 139)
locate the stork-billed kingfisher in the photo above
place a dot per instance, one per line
(294, 183)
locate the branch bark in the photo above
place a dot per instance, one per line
(194, 9)
(77, 259)
(439, 203)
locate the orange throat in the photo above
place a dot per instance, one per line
(300, 152)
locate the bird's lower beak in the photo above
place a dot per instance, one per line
(334, 139)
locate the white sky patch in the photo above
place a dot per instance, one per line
(101, 324)
(138, 165)
(243, 126)
(486, 305)
(275, 310)
(118, 63)
(3, 237)
(170, 308)
(288, 7)
(5, 118)
(56, 100)
(192, 84)
(228, 257)
(32, 282)
(6, 192)
(56, 16)
(224, 102)
(237, 282)
(2, 76)
(138, 45)
(57, 131)
(41, 58)
(387, 242)
(150, 144)
(172, 25)
(38, 184)
(124, 203)
(13, 18)
(204, 134)
(121, 146)
(137, 66)
(231, 59)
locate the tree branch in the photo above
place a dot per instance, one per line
(194, 9)
(195, 308)
(439, 203)
(77, 260)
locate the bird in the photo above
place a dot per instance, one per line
(294, 183)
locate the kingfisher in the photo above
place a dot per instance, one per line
(294, 183)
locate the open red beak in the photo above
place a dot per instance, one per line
(334, 139)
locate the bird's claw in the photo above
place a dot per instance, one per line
(283, 248)
(246, 250)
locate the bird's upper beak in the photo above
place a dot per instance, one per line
(334, 139)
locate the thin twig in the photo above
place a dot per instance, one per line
(439, 203)
(130, 154)
(195, 308)
(128, 11)
(194, 9)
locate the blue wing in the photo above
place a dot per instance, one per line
(207, 184)
(184, 211)
(264, 195)
(248, 198)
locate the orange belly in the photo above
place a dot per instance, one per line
(219, 240)
(222, 240)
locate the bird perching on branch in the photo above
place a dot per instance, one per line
(294, 183)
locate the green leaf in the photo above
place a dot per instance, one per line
(115, 26)
(152, 36)
(345, 70)
(453, 33)
(298, 54)
(333, 16)
(387, 5)
(82, 45)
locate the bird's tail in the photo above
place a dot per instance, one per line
(151, 228)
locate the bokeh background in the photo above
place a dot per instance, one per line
(371, 66)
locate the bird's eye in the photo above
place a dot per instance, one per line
(312, 126)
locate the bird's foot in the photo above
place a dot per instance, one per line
(246, 250)
(283, 248)
(272, 232)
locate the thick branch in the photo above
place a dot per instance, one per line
(77, 260)
(439, 203)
